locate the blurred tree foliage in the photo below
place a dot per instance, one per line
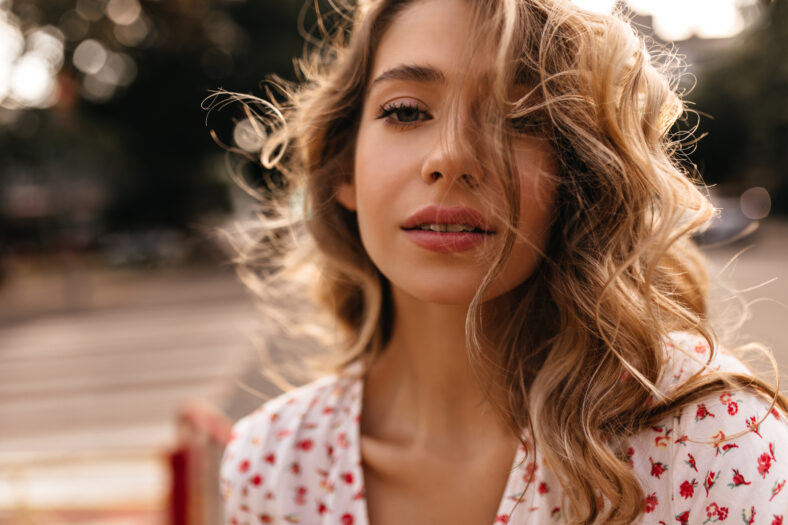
(746, 96)
(148, 145)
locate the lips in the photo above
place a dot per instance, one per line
(455, 216)
(447, 230)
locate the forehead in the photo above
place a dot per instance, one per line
(427, 32)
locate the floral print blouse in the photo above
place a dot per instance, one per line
(297, 459)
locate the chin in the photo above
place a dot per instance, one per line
(439, 291)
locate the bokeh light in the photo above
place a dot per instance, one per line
(32, 83)
(133, 34)
(755, 203)
(248, 135)
(47, 43)
(90, 56)
(91, 10)
(123, 12)
(74, 27)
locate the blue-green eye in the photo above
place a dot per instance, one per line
(403, 113)
(528, 124)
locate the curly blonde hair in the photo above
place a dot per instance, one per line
(619, 273)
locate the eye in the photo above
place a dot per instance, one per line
(403, 113)
(529, 124)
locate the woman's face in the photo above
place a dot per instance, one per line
(429, 217)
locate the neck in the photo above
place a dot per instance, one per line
(423, 388)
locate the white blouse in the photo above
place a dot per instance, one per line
(297, 459)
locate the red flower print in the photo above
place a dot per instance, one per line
(777, 417)
(630, 453)
(682, 440)
(702, 413)
(764, 464)
(243, 466)
(691, 462)
(733, 408)
(305, 445)
(321, 508)
(300, 495)
(726, 398)
(753, 425)
(657, 468)
(748, 519)
(771, 451)
(347, 477)
(556, 513)
(687, 489)
(728, 446)
(717, 440)
(778, 487)
(342, 442)
(283, 433)
(347, 519)
(738, 479)
(543, 489)
(778, 520)
(270, 458)
(295, 468)
(328, 410)
(650, 503)
(711, 479)
(530, 472)
(683, 518)
(266, 518)
(257, 480)
(503, 518)
(716, 513)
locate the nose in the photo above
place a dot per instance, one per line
(450, 163)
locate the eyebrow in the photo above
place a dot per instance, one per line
(412, 73)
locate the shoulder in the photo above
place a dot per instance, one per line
(725, 453)
(687, 354)
(280, 458)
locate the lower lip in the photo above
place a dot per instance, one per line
(446, 242)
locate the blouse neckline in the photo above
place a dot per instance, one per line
(514, 490)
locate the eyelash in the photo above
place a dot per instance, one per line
(529, 124)
(387, 113)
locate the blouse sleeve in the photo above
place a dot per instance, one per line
(236, 472)
(730, 462)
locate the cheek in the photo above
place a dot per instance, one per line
(538, 189)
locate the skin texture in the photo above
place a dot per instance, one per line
(427, 426)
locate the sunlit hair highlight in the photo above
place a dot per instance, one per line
(584, 341)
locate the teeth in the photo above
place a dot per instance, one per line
(448, 228)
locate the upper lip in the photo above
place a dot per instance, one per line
(454, 215)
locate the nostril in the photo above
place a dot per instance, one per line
(470, 180)
(435, 175)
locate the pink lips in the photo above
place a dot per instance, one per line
(447, 242)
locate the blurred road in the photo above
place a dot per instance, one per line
(757, 270)
(113, 376)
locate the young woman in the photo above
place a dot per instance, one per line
(496, 222)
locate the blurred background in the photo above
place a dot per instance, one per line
(127, 346)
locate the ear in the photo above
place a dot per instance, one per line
(346, 195)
